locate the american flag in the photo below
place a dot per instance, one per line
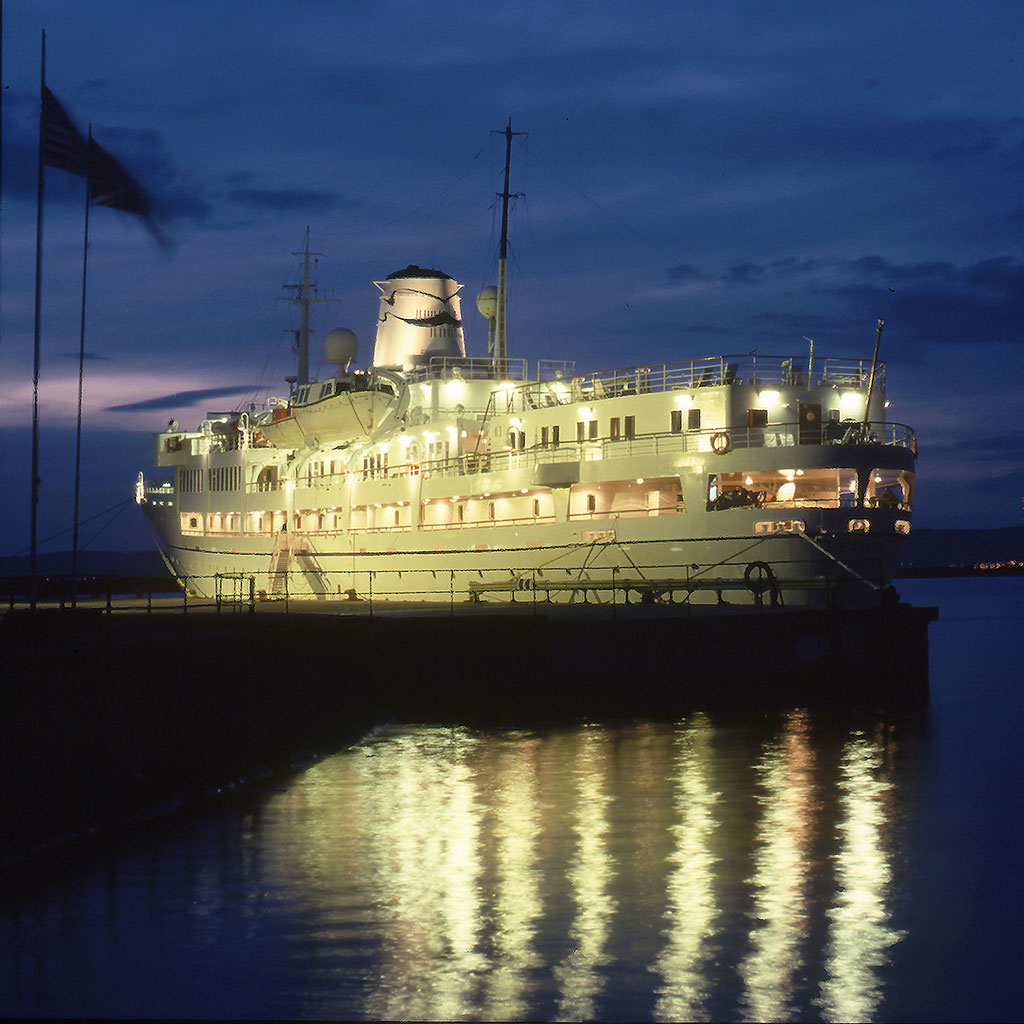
(63, 144)
(110, 184)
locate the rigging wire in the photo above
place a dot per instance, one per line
(672, 257)
(416, 209)
(119, 507)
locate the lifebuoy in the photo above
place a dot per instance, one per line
(764, 578)
(760, 577)
(720, 443)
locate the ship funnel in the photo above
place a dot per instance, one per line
(420, 317)
(341, 347)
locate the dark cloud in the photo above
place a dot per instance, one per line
(90, 357)
(181, 399)
(282, 199)
(934, 301)
(938, 301)
(745, 273)
(684, 272)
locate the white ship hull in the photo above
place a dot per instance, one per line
(781, 514)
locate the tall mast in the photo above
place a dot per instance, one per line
(500, 340)
(304, 297)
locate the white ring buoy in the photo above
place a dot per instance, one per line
(720, 443)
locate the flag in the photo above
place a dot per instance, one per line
(109, 183)
(63, 144)
(113, 186)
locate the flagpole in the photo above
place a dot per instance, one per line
(33, 578)
(81, 377)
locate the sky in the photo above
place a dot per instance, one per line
(697, 178)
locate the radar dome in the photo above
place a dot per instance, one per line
(487, 302)
(341, 346)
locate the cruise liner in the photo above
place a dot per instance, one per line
(433, 475)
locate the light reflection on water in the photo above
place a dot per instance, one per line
(787, 803)
(687, 871)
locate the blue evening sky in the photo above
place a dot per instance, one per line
(699, 178)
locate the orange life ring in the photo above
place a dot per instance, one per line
(720, 443)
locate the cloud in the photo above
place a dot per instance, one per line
(934, 301)
(282, 199)
(938, 301)
(684, 272)
(745, 273)
(181, 398)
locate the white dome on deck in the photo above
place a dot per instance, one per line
(341, 347)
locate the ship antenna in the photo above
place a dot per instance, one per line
(499, 352)
(304, 297)
(871, 380)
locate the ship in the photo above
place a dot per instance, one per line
(432, 475)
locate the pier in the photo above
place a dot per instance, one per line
(124, 706)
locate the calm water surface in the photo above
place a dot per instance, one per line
(788, 866)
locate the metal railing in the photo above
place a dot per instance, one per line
(758, 583)
(752, 370)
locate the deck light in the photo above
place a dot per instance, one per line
(768, 398)
(849, 400)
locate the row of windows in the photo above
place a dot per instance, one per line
(190, 481)
(225, 478)
(375, 465)
(218, 478)
(692, 420)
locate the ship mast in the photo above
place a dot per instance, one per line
(499, 353)
(304, 297)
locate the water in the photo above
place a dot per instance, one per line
(761, 867)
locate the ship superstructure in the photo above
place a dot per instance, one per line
(437, 476)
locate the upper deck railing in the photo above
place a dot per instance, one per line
(751, 369)
(477, 368)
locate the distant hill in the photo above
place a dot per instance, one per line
(924, 549)
(962, 548)
(90, 563)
